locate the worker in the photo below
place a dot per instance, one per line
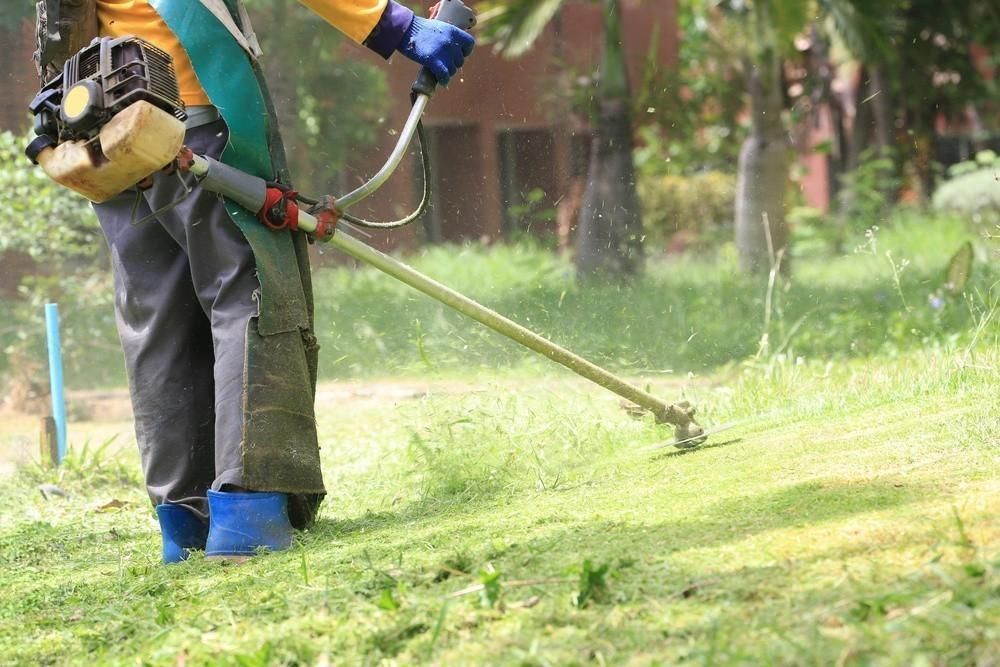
(214, 310)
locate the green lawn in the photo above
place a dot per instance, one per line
(849, 516)
(490, 509)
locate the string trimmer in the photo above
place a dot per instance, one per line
(114, 117)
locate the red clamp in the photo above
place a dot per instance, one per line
(185, 159)
(280, 210)
(327, 216)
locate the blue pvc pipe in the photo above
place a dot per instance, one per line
(56, 378)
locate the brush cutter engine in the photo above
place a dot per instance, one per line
(113, 117)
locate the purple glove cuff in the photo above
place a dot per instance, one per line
(388, 32)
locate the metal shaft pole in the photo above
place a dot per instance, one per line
(678, 415)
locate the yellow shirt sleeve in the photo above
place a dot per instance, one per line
(119, 18)
(354, 18)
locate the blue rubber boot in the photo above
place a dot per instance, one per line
(243, 523)
(182, 530)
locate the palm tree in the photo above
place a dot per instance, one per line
(762, 174)
(609, 236)
(765, 31)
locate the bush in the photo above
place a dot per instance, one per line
(39, 217)
(62, 259)
(973, 191)
(867, 193)
(701, 205)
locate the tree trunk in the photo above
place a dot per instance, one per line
(824, 97)
(885, 131)
(882, 108)
(609, 239)
(762, 172)
(861, 128)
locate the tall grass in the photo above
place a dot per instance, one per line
(688, 314)
(691, 314)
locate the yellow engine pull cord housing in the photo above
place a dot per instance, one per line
(77, 101)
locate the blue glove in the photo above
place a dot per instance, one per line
(439, 46)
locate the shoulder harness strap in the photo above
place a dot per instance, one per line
(242, 32)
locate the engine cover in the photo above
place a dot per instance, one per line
(101, 80)
(111, 118)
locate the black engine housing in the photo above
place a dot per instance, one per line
(108, 75)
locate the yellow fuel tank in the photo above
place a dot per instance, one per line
(137, 142)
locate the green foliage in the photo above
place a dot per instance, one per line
(14, 12)
(701, 203)
(514, 25)
(785, 18)
(866, 191)
(531, 215)
(837, 307)
(40, 217)
(330, 104)
(814, 231)
(387, 600)
(492, 591)
(689, 116)
(973, 191)
(592, 587)
(58, 230)
(932, 56)
(91, 354)
(864, 26)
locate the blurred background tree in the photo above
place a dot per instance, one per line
(609, 233)
(13, 12)
(760, 37)
(329, 102)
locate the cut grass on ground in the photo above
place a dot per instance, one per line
(848, 517)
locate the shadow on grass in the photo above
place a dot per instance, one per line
(695, 450)
(419, 514)
(741, 518)
(637, 551)
(732, 520)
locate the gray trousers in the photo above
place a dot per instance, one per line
(185, 294)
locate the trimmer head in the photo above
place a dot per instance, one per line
(687, 432)
(689, 435)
